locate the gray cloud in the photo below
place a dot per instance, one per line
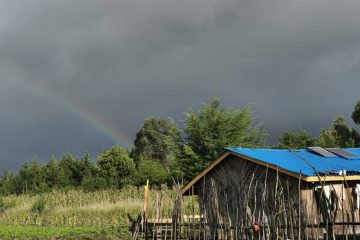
(295, 62)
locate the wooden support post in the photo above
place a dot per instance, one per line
(146, 202)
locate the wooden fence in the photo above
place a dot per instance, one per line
(180, 217)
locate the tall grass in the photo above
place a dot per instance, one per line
(79, 208)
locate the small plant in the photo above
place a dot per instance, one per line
(39, 205)
(3, 205)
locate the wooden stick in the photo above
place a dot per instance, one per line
(299, 221)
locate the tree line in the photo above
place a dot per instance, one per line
(164, 153)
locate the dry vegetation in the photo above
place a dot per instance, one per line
(105, 209)
(79, 208)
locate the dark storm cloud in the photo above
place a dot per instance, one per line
(295, 62)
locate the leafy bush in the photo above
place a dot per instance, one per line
(39, 205)
(5, 204)
(151, 170)
(115, 166)
(2, 205)
(92, 184)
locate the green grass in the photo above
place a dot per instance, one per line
(75, 214)
(51, 232)
(72, 208)
(79, 208)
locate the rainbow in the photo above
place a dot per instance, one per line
(101, 125)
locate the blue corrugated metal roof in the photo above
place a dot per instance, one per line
(290, 161)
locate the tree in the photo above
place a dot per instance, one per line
(345, 135)
(55, 175)
(190, 163)
(212, 128)
(327, 139)
(356, 113)
(69, 165)
(76, 169)
(153, 171)
(8, 183)
(296, 140)
(157, 139)
(115, 166)
(339, 135)
(31, 178)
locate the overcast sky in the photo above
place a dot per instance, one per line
(82, 75)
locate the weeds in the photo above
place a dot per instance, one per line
(57, 211)
(39, 205)
(5, 204)
(80, 208)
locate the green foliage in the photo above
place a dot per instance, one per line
(39, 205)
(212, 128)
(29, 178)
(79, 208)
(190, 163)
(94, 183)
(115, 166)
(356, 113)
(153, 171)
(39, 178)
(155, 151)
(74, 233)
(327, 138)
(6, 204)
(76, 169)
(339, 135)
(56, 175)
(296, 140)
(158, 139)
(2, 205)
(8, 183)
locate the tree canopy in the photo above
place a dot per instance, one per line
(157, 139)
(116, 165)
(339, 135)
(212, 128)
(163, 152)
(356, 113)
(296, 140)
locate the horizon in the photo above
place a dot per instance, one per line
(83, 76)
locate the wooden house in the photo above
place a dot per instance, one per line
(312, 193)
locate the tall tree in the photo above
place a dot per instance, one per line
(296, 140)
(212, 128)
(356, 113)
(151, 170)
(158, 139)
(55, 175)
(69, 164)
(339, 135)
(327, 138)
(8, 183)
(116, 166)
(190, 163)
(31, 177)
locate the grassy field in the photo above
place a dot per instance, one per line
(76, 214)
(53, 232)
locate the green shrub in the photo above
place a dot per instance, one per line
(39, 205)
(151, 170)
(2, 205)
(5, 205)
(92, 184)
